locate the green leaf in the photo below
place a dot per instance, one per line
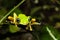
(13, 28)
(33, 10)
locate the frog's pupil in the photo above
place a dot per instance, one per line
(30, 19)
(18, 20)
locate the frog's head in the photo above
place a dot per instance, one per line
(24, 20)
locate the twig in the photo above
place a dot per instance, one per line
(50, 33)
(12, 10)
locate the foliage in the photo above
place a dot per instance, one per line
(46, 12)
(13, 29)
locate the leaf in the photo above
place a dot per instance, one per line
(49, 31)
(13, 28)
(33, 10)
(53, 31)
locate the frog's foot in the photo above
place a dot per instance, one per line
(31, 28)
(26, 28)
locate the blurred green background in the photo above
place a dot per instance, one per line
(47, 12)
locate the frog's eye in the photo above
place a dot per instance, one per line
(18, 20)
(30, 19)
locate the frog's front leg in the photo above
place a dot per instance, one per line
(29, 27)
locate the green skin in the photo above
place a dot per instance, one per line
(24, 20)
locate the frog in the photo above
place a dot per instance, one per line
(23, 20)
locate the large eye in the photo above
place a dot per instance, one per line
(30, 19)
(18, 20)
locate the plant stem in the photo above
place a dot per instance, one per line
(50, 33)
(11, 11)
